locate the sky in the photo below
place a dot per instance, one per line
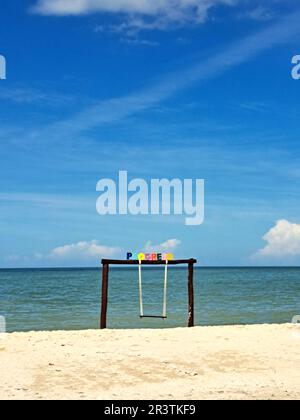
(188, 89)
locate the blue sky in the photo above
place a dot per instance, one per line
(168, 88)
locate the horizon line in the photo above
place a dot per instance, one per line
(177, 267)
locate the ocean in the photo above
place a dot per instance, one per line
(69, 299)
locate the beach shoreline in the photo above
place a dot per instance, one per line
(224, 362)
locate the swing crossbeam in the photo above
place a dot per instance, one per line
(105, 274)
(148, 262)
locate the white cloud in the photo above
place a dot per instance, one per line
(283, 240)
(78, 254)
(83, 251)
(168, 245)
(140, 14)
(172, 9)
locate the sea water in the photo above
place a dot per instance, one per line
(68, 299)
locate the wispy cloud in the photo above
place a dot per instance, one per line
(124, 36)
(240, 52)
(141, 14)
(257, 107)
(80, 253)
(161, 15)
(260, 13)
(83, 250)
(135, 16)
(168, 245)
(30, 96)
(131, 17)
(141, 42)
(75, 129)
(41, 200)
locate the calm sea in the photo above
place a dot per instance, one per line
(70, 298)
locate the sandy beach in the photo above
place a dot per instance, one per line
(234, 362)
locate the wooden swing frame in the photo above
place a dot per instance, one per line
(105, 273)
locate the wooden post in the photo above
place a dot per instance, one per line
(105, 270)
(191, 294)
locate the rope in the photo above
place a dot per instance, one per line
(165, 290)
(140, 289)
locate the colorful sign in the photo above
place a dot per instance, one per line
(153, 256)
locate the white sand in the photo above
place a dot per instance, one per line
(245, 362)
